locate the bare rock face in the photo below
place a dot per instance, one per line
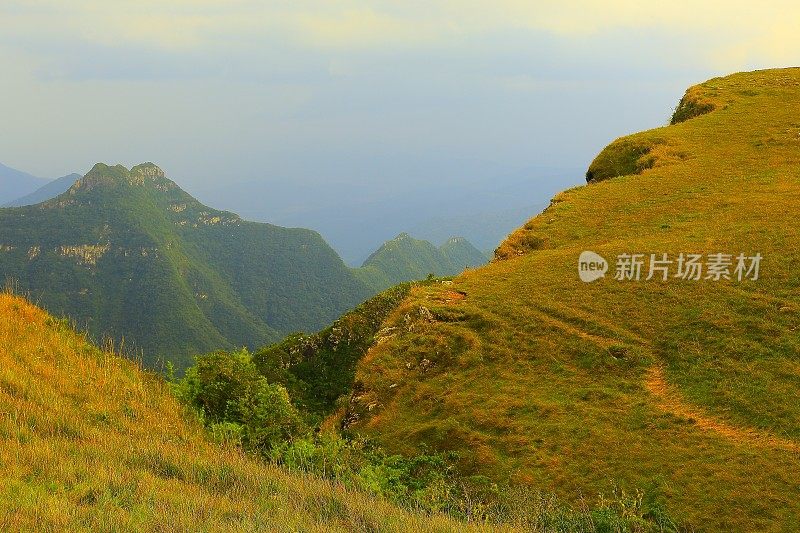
(140, 175)
(148, 170)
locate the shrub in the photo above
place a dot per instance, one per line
(216, 380)
(266, 414)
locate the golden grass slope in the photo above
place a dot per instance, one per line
(688, 390)
(89, 442)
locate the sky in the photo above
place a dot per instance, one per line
(283, 110)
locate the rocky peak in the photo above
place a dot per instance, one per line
(148, 170)
(102, 174)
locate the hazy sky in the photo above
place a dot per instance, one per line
(311, 92)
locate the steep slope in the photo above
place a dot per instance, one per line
(318, 369)
(405, 259)
(14, 183)
(89, 442)
(47, 191)
(685, 389)
(131, 255)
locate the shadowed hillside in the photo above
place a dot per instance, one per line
(685, 388)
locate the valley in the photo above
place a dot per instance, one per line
(400, 266)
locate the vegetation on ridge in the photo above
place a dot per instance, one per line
(272, 404)
(684, 388)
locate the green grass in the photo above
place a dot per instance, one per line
(90, 442)
(539, 379)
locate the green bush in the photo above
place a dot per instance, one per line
(240, 406)
(238, 403)
(267, 416)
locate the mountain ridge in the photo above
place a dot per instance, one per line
(15, 183)
(405, 258)
(196, 278)
(131, 255)
(46, 192)
(538, 378)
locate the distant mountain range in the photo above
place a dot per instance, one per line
(15, 184)
(356, 205)
(486, 229)
(45, 192)
(129, 255)
(405, 258)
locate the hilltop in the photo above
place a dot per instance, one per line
(406, 259)
(685, 389)
(91, 442)
(129, 255)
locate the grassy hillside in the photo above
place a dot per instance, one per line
(405, 259)
(89, 442)
(685, 389)
(130, 255)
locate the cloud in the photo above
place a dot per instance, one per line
(728, 26)
(500, 78)
(360, 28)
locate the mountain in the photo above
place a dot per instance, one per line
(683, 388)
(92, 443)
(432, 198)
(14, 184)
(461, 254)
(485, 229)
(405, 259)
(46, 192)
(129, 255)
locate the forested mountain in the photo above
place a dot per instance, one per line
(129, 255)
(405, 259)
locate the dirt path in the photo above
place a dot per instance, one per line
(670, 401)
(574, 330)
(669, 398)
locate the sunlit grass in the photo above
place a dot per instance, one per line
(538, 378)
(88, 441)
